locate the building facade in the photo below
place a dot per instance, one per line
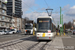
(17, 23)
(14, 7)
(73, 24)
(5, 20)
(23, 25)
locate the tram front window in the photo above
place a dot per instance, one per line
(44, 26)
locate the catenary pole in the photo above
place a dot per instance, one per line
(60, 21)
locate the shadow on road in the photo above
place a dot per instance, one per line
(33, 38)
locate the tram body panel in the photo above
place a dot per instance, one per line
(45, 36)
(45, 29)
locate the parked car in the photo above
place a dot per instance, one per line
(18, 31)
(6, 32)
(12, 31)
(73, 32)
(2, 32)
(66, 31)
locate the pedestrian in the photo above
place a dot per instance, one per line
(59, 31)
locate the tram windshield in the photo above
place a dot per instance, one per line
(43, 25)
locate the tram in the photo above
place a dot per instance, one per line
(45, 28)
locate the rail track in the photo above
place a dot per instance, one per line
(39, 46)
(13, 42)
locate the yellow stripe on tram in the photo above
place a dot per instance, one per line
(43, 35)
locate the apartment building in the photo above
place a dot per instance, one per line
(5, 20)
(17, 23)
(23, 24)
(14, 8)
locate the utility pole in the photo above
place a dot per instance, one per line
(60, 21)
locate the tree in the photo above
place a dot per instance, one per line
(68, 25)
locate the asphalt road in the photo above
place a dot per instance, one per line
(29, 43)
(71, 34)
(11, 37)
(69, 43)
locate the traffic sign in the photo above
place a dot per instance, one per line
(60, 25)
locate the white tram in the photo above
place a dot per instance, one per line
(45, 28)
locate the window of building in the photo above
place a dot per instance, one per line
(10, 0)
(0, 23)
(3, 17)
(3, 23)
(17, 20)
(6, 24)
(0, 17)
(10, 25)
(3, 5)
(3, 11)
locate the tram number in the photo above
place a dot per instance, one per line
(43, 35)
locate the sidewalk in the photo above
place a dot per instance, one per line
(57, 43)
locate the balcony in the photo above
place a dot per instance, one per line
(13, 25)
(2, 25)
(4, 13)
(0, 6)
(13, 20)
(4, 20)
(2, 0)
(7, 26)
(4, 8)
(0, 18)
(0, 12)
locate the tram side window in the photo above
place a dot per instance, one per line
(53, 28)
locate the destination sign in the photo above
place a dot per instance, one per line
(43, 21)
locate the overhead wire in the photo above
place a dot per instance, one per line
(49, 7)
(46, 3)
(32, 8)
(28, 6)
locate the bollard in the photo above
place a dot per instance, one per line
(58, 33)
(64, 33)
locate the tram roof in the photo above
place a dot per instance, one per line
(45, 17)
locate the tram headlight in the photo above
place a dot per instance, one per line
(49, 31)
(38, 34)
